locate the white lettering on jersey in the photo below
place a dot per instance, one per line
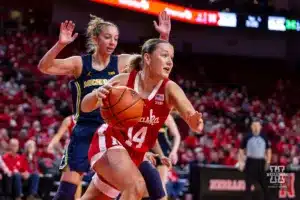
(152, 120)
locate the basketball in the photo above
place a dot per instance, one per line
(122, 108)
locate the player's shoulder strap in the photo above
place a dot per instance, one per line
(113, 64)
(86, 65)
(162, 87)
(132, 75)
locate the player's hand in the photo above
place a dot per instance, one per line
(166, 161)
(151, 157)
(196, 122)
(66, 31)
(103, 91)
(164, 24)
(173, 156)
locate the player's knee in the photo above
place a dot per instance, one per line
(138, 188)
(71, 177)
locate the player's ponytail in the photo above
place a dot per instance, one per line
(95, 27)
(136, 63)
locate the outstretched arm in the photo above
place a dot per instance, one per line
(69, 66)
(176, 98)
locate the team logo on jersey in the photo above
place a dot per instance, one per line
(94, 82)
(111, 73)
(159, 99)
(152, 120)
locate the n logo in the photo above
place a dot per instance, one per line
(287, 190)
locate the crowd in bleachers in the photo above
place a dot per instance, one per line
(33, 105)
(227, 113)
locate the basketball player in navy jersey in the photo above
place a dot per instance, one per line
(90, 71)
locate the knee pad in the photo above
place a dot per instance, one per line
(66, 191)
(152, 179)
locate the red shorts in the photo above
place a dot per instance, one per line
(102, 141)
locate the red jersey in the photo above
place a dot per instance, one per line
(137, 139)
(143, 135)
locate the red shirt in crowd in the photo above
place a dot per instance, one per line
(29, 165)
(13, 162)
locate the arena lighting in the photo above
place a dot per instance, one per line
(276, 23)
(180, 13)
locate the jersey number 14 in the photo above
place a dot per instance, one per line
(138, 137)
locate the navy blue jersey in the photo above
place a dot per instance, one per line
(164, 140)
(89, 80)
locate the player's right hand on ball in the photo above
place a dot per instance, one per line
(66, 31)
(103, 91)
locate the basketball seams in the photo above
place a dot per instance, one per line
(110, 106)
(109, 103)
(114, 117)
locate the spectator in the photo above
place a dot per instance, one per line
(3, 140)
(13, 162)
(4, 172)
(174, 186)
(30, 169)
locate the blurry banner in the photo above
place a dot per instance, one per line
(227, 183)
(207, 17)
(180, 13)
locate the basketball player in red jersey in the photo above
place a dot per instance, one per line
(90, 71)
(115, 154)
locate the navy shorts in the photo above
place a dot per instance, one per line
(76, 154)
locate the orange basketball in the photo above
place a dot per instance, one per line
(122, 108)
